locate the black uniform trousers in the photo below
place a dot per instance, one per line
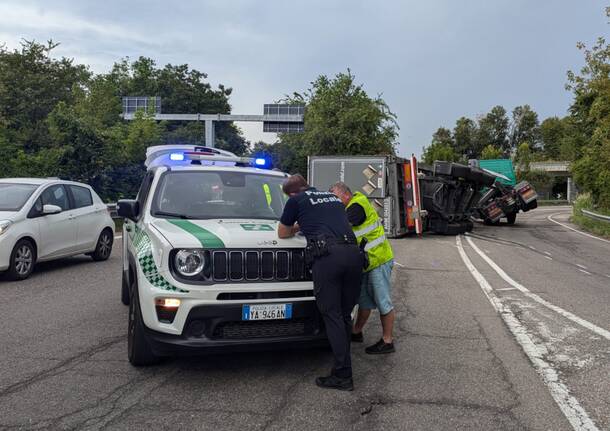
(336, 280)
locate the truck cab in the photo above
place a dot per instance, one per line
(203, 267)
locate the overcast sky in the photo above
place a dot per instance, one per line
(432, 61)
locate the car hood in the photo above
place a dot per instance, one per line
(232, 233)
(8, 215)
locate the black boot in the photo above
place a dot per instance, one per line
(334, 382)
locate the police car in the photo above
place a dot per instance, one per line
(203, 267)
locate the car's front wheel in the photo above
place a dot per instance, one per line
(23, 259)
(103, 248)
(138, 349)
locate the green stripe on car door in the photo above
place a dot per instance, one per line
(205, 237)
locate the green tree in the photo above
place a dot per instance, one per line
(464, 136)
(552, 131)
(32, 83)
(439, 151)
(525, 127)
(493, 130)
(491, 152)
(341, 118)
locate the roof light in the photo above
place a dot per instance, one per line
(177, 157)
(260, 161)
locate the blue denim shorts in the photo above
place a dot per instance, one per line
(375, 290)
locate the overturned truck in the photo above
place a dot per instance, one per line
(443, 198)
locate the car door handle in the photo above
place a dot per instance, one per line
(71, 217)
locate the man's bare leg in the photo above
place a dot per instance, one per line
(363, 316)
(387, 323)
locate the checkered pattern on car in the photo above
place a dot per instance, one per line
(143, 246)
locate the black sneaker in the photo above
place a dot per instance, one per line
(380, 347)
(357, 338)
(334, 382)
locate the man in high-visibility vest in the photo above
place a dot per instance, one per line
(376, 286)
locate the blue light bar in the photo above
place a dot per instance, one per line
(260, 161)
(177, 157)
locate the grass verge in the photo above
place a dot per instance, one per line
(597, 227)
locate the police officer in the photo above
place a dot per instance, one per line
(336, 268)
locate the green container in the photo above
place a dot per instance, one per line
(501, 166)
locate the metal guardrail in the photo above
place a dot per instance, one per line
(596, 216)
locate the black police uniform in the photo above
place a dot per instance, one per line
(336, 275)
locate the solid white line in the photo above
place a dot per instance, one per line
(550, 218)
(581, 266)
(569, 406)
(574, 318)
(585, 272)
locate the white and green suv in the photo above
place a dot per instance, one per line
(203, 267)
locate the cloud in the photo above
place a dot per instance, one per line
(15, 16)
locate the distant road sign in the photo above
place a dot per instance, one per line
(283, 118)
(131, 104)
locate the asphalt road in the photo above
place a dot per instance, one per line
(460, 363)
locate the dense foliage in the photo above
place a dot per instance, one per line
(59, 119)
(340, 118)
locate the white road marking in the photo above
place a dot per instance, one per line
(504, 289)
(549, 257)
(581, 266)
(532, 247)
(547, 253)
(569, 406)
(550, 218)
(585, 272)
(399, 264)
(574, 318)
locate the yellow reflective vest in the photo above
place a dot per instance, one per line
(377, 247)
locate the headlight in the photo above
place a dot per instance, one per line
(189, 262)
(4, 225)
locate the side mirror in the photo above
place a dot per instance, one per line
(128, 208)
(51, 209)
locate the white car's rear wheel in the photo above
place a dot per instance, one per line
(103, 247)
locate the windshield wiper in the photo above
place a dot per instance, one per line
(168, 214)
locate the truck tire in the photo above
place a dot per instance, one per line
(510, 218)
(139, 352)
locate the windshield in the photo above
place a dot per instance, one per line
(219, 195)
(14, 196)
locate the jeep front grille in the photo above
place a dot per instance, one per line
(259, 265)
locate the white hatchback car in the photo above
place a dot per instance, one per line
(46, 219)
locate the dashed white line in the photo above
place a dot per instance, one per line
(547, 253)
(569, 406)
(581, 266)
(548, 257)
(574, 318)
(505, 288)
(550, 218)
(532, 247)
(584, 272)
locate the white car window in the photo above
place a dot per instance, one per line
(82, 196)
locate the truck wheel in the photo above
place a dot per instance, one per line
(23, 259)
(124, 289)
(511, 218)
(138, 349)
(103, 248)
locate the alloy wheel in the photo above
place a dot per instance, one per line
(24, 259)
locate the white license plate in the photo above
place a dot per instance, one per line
(266, 311)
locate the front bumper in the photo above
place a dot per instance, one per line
(219, 328)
